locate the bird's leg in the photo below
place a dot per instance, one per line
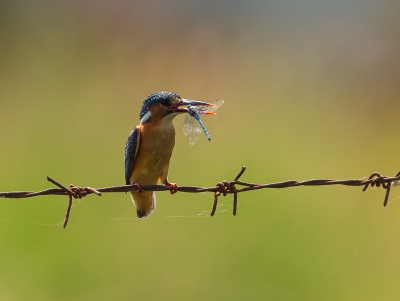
(174, 187)
(139, 187)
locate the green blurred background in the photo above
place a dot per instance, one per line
(312, 91)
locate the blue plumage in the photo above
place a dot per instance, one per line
(156, 97)
(131, 148)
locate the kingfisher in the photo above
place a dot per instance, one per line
(149, 147)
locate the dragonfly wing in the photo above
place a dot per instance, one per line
(194, 134)
(187, 125)
(193, 129)
(217, 104)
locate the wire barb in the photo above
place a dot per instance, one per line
(376, 179)
(226, 187)
(66, 218)
(73, 191)
(223, 187)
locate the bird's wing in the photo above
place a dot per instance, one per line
(131, 149)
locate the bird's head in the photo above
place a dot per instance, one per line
(165, 106)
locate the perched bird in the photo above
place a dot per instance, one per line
(149, 147)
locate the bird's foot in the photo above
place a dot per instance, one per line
(174, 187)
(140, 188)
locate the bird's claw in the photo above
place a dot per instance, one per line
(140, 188)
(174, 187)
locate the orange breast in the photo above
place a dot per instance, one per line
(154, 153)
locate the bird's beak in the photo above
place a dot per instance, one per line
(186, 102)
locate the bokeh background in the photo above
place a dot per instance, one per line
(312, 91)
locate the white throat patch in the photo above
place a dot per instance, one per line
(145, 117)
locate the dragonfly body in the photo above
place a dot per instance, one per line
(193, 129)
(194, 112)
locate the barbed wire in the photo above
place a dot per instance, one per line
(223, 187)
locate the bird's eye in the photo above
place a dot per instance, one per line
(165, 102)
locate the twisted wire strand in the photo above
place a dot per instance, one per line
(224, 187)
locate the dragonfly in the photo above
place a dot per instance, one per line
(193, 126)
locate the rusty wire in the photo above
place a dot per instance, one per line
(223, 187)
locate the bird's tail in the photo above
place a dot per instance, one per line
(145, 202)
